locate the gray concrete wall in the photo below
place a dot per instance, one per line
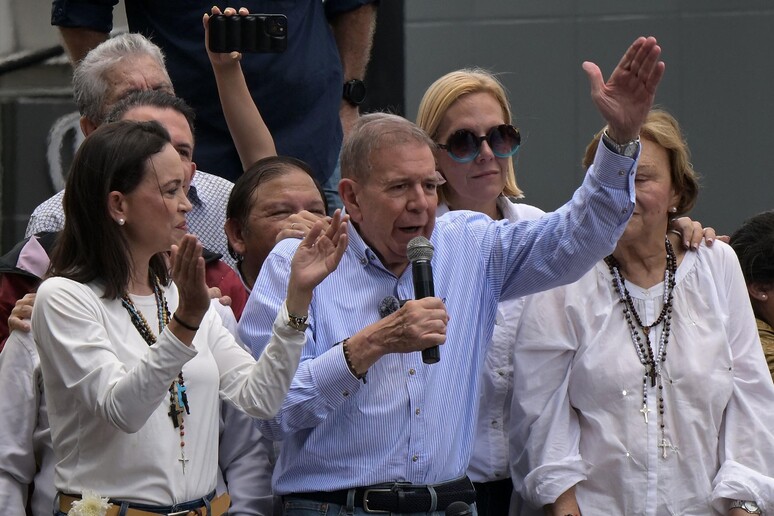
(719, 81)
(719, 73)
(37, 129)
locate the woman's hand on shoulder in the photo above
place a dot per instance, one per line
(692, 233)
(21, 313)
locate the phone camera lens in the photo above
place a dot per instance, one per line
(277, 26)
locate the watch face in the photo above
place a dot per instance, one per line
(355, 91)
(630, 150)
(750, 506)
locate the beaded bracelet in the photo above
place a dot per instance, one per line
(183, 324)
(348, 359)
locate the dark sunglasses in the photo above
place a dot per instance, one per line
(463, 146)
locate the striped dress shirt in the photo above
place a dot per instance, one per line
(414, 422)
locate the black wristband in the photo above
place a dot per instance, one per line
(184, 324)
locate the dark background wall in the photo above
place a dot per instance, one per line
(719, 80)
(718, 83)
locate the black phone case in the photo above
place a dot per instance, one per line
(259, 33)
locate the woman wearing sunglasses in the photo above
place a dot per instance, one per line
(467, 113)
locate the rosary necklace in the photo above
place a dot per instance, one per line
(178, 399)
(651, 360)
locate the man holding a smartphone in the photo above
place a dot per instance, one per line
(308, 95)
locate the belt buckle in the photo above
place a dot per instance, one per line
(365, 500)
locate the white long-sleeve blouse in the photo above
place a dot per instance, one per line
(108, 399)
(578, 397)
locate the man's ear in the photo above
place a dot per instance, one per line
(235, 236)
(348, 191)
(117, 207)
(87, 126)
(190, 172)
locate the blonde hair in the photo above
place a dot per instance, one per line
(444, 92)
(663, 129)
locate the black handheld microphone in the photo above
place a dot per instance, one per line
(420, 252)
(458, 509)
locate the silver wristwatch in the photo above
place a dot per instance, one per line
(746, 505)
(298, 322)
(628, 149)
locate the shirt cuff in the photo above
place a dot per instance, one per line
(96, 16)
(615, 171)
(336, 7)
(333, 377)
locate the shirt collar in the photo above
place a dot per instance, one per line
(193, 195)
(505, 205)
(362, 252)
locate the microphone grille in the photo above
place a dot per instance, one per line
(419, 249)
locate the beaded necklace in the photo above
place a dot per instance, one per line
(651, 361)
(178, 399)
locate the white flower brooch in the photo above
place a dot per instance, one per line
(91, 504)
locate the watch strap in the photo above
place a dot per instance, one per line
(746, 505)
(354, 92)
(628, 149)
(298, 322)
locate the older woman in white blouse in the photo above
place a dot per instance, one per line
(642, 388)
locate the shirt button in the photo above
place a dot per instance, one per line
(364, 260)
(494, 422)
(624, 210)
(412, 372)
(414, 458)
(501, 373)
(417, 411)
(345, 393)
(622, 172)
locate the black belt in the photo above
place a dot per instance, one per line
(399, 497)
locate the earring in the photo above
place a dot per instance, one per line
(673, 209)
(121, 222)
(764, 297)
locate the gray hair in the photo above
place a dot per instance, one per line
(89, 86)
(372, 132)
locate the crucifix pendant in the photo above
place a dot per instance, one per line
(650, 370)
(174, 414)
(182, 459)
(644, 410)
(664, 444)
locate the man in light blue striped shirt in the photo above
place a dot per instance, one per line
(349, 438)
